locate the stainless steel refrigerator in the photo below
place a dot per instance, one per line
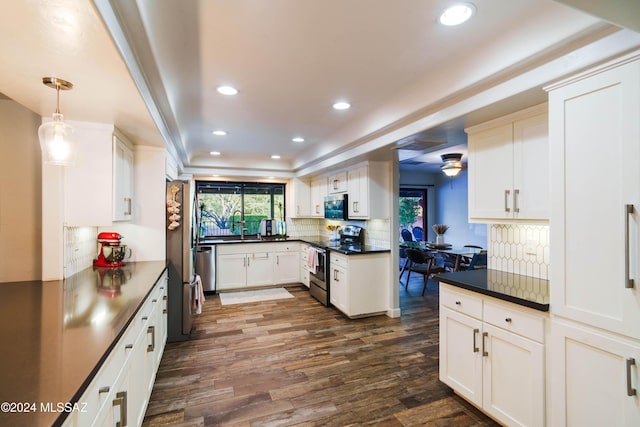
(180, 248)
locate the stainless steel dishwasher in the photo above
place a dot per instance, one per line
(206, 266)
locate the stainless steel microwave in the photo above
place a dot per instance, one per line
(336, 207)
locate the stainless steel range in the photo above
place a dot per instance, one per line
(351, 238)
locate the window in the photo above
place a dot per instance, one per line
(221, 205)
(412, 214)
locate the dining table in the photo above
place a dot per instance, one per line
(459, 253)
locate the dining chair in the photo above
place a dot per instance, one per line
(406, 235)
(417, 233)
(478, 261)
(423, 264)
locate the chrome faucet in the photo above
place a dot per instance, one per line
(233, 223)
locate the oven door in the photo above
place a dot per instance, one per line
(320, 274)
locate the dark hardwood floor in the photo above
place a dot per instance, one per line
(294, 362)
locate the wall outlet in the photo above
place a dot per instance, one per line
(530, 247)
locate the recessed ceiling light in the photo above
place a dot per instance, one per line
(275, 157)
(341, 105)
(227, 90)
(214, 153)
(219, 132)
(457, 14)
(298, 139)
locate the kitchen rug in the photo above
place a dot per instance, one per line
(228, 298)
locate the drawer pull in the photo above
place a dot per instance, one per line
(630, 390)
(164, 298)
(154, 300)
(628, 281)
(121, 401)
(104, 389)
(475, 344)
(128, 346)
(151, 330)
(458, 303)
(145, 318)
(508, 320)
(164, 311)
(484, 350)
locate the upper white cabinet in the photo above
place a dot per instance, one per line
(337, 182)
(509, 168)
(318, 193)
(122, 179)
(98, 188)
(368, 191)
(299, 198)
(595, 151)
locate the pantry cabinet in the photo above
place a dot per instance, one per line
(492, 354)
(509, 168)
(595, 149)
(355, 285)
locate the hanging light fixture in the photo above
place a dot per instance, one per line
(452, 164)
(56, 137)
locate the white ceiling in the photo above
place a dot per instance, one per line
(151, 68)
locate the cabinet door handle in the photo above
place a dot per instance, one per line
(508, 320)
(516, 193)
(151, 347)
(164, 311)
(458, 303)
(630, 390)
(475, 344)
(127, 200)
(121, 401)
(506, 200)
(628, 281)
(484, 349)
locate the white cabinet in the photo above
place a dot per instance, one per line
(286, 268)
(120, 391)
(594, 133)
(257, 264)
(492, 354)
(122, 179)
(368, 191)
(337, 182)
(299, 204)
(509, 168)
(304, 260)
(595, 150)
(318, 193)
(595, 379)
(358, 285)
(98, 188)
(244, 270)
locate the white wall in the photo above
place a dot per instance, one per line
(452, 209)
(20, 194)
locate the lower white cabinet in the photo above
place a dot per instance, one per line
(304, 260)
(119, 393)
(492, 354)
(257, 264)
(359, 283)
(596, 377)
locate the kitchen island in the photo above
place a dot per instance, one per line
(56, 335)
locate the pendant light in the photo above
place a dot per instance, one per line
(452, 164)
(56, 137)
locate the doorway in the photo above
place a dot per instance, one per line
(412, 214)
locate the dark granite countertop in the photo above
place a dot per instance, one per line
(523, 290)
(333, 245)
(56, 334)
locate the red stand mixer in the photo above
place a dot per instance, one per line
(111, 252)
